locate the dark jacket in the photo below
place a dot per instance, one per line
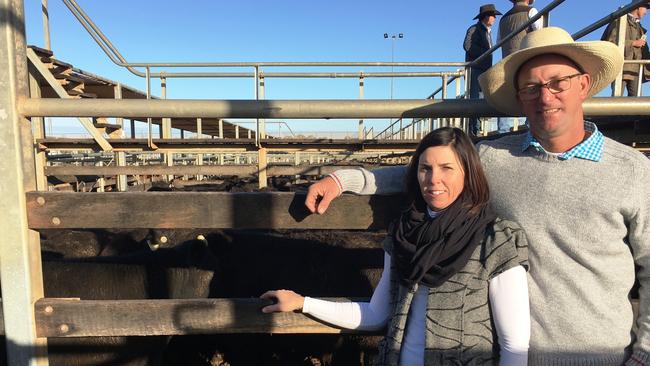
(476, 42)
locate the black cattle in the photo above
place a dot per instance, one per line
(120, 264)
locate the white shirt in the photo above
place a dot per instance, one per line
(508, 293)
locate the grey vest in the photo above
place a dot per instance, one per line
(510, 21)
(459, 329)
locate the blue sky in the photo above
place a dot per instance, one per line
(283, 30)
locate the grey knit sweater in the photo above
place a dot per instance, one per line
(588, 224)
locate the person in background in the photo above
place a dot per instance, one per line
(454, 280)
(520, 13)
(635, 40)
(478, 39)
(582, 198)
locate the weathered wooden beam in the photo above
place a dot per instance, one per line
(74, 317)
(62, 93)
(219, 170)
(81, 318)
(167, 210)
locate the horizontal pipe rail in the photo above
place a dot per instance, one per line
(306, 75)
(114, 55)
(310, 109)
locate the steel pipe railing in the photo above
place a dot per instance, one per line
(608, 18)
(303, 109)
(114, 55)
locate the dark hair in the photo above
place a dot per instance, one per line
(476, 188)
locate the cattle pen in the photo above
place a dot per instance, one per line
(53, 183)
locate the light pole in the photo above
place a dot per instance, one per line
(393, 38)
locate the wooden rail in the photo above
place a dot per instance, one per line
(168, 210)
(82, 318)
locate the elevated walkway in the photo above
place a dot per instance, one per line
(79, 83)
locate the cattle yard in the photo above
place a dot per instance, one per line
(118, 249)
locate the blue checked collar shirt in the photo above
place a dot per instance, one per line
(589, 149)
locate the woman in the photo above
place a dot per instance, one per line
(454, 280)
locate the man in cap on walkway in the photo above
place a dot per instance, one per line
(478, 39)
(585, 202)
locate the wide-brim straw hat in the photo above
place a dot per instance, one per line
(487, 9)
(600, 59)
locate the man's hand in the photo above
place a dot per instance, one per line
(639, 43)
(321, 194)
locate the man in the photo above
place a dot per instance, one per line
(478, 39)
(585, 205)
(517, 16)
(635, 40)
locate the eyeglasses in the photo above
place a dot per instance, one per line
(530, 92)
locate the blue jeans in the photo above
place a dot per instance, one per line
(474, 93)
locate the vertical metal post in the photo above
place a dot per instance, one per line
(237, 132)
(149, 138)
(262, 121)
(220, 128)
(639, 81)
(445, 82)
(120, 156)
(199, 156)
(467, 81)
(361, 136)
(20, 256)
(132, 129)
(166, 128)
(46, 25)
(622, 26)
(546, 19)
(38, 125)
(458, 121)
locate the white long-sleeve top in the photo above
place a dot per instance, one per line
(508, 294)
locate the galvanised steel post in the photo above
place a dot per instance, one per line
(120, 156)
(46, 25)
(618, 83)
(166, 129)
(361, 136)
(20, 258)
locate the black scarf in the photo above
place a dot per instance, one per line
(429, 251)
